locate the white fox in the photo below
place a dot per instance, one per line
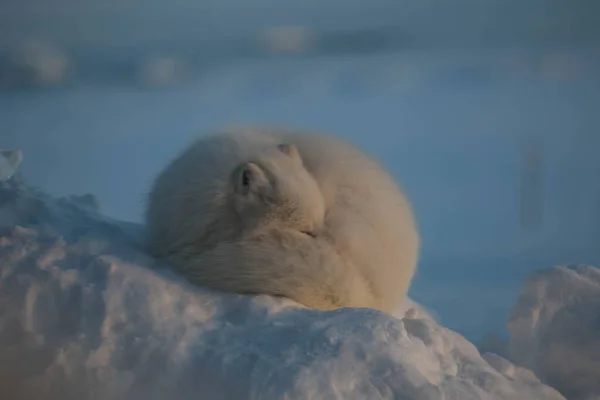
(303, 216)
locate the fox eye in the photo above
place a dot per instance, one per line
(309, 233)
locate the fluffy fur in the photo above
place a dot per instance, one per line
(304, 216)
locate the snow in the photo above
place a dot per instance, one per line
(87, 315)
(555, 329)
(9, 162)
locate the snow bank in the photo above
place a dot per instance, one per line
(85, 314)
(555, 329)
(9, 162)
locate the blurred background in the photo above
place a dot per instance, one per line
(486, 111)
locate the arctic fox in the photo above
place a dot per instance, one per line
(303, 216)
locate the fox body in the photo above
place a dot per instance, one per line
(304, 216)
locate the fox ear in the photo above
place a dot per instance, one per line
(291, 150)
(249, 178)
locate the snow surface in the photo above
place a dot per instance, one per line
(555, 329)
(85, 314)
(9, 162)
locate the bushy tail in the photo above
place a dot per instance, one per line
(303, 269)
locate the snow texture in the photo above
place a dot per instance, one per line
(85, 314)
(555, 329)
(9, 162)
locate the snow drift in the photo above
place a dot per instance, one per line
(555, 329)
(85, 314)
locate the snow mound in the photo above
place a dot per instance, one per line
(555, 329)
(9, 162)
(85, 314)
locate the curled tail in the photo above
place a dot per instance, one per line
(286, 264)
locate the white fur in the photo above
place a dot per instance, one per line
(365, 245)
